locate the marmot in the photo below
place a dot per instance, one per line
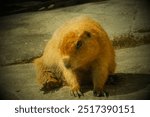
(78, 47)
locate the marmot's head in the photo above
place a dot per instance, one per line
(79, 48)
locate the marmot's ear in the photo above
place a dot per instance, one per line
(87, 34)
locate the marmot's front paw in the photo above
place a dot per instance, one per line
(100, 93)
(76, 92)
(51, 85)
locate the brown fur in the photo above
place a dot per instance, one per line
(79, 45)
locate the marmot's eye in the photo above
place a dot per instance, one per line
(88, 34)
(79, 44)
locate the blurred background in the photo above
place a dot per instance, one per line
(18, 6)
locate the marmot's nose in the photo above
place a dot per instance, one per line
(67, 63)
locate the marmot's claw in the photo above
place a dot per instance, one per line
(77, 93)
(100, 93)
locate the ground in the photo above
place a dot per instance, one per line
(23, 37)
